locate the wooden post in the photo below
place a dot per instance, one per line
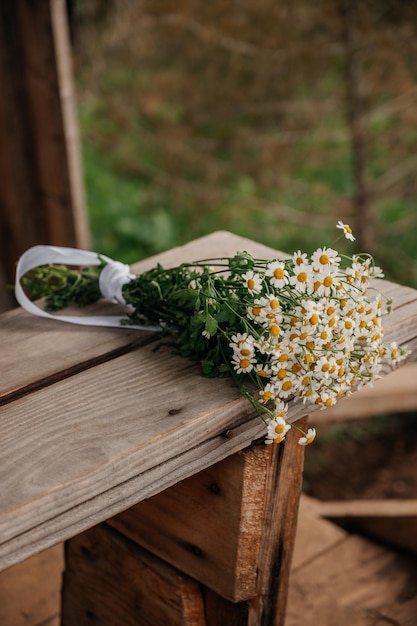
(41, 191)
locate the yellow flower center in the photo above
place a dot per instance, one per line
(328, 281)
(280, 428)
(287, 385)
(282, 374)
(302, 277)
(256, 311)
(274, 304)
(279, 273)
(275, 330)
(251, 283)
(267, 395)
(324, 259)
(244, 363)
(314, 319)
(245, 352)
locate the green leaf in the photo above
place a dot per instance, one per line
(211, 325)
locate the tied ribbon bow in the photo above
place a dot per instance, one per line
(111, 280)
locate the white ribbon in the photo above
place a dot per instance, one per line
(111, 280)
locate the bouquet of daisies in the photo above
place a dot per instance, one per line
(303, 328)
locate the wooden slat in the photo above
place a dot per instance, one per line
(110, 581)
(394, 522)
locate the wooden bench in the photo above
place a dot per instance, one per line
(172, 508)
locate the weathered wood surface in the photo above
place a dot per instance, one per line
(110, 581)
(41, 195)
(229, 526)
(80, 442)
(232, 527)
(210, 525)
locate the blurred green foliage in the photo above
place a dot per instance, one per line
(202, 116)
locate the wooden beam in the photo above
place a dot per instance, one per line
(41, 195)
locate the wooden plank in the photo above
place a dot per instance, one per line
(41, 196)
(395, 393)
(393, 522)
(356, 582)
(209, 525)
(30, 592)
(111, 581)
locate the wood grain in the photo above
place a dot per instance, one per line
(355, 582)
(112, 582)
(210, 525)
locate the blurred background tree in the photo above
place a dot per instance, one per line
(271, 120)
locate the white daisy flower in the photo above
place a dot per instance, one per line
(308, 437)
(253, 282)
(277, 429)
(278, 274)
(347, 231)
